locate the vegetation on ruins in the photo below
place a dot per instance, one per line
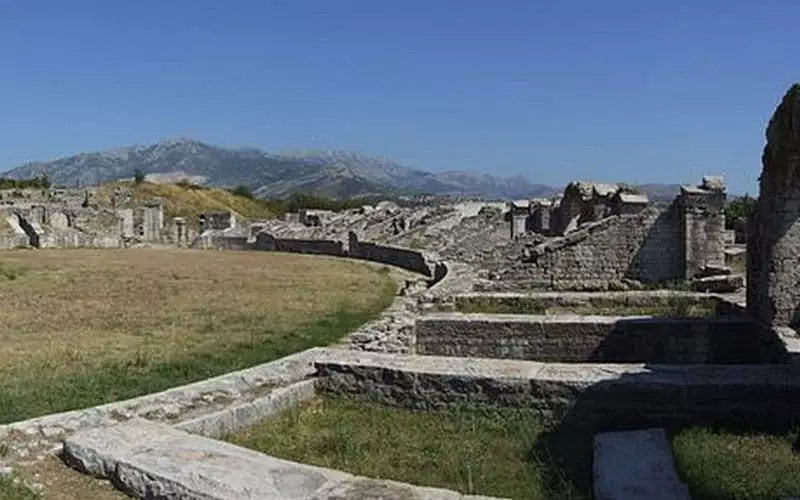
(721, 464)
(739, 208)
(86, 327)
(189, 201)
(38, 182)
(484, 451)
(139, 176)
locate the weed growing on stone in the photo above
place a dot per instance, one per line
(725, 465)
(85, 327)
(496, 452)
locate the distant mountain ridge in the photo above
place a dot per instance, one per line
(270, 175)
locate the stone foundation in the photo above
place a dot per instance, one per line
(597, 339)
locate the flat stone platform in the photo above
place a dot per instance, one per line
(153, 460)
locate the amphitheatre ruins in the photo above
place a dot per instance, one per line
(538, 304)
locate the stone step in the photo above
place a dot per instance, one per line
(644, 395)
(152, 460)
(633, 465)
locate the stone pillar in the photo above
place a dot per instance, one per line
(179, 227)
(352, 244)
(773, 232)
(703, 225)
(519, 222)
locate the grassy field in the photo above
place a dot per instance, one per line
(673, 307)
(188, 201)
(720, 465)
(488, 452)
(85, 327)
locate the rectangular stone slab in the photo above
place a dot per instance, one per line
(633, 465)
(153, 460)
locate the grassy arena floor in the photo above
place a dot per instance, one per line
(86, 327)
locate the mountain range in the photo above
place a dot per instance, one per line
(272, 175)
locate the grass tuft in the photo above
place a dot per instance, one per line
(480, 451)
(11, 488)
(725, 465)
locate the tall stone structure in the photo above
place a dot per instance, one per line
(703, 225)
(773, 239)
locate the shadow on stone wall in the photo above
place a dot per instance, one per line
(659, 257)
(680, 341)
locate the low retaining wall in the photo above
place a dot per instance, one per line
(70, 239)
(604, 396)
(411, 260)
(541, 302)
(267, 242)
(605, 339)
(218, 240)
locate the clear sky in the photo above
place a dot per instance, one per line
(630, 90)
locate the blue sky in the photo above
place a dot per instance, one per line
(629, 90)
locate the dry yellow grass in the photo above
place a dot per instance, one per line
(186, 202)
(71, 309)
(116, 319)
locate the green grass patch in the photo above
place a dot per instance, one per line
(725, 465)
(12, 489)
(37, 394)
(495, 452)
(11, 272)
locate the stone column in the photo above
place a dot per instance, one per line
(773, 239)
(703, 225)
(179, 235)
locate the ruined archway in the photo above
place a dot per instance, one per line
(773, 246)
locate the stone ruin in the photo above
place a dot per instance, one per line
(63, 218)
(615, 373)
(773, 236)
(606, 236)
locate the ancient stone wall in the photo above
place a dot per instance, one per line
(773, 234)
(11, 241)
(645, 246)
(612, 396)
(703, 222)
(594, 339)
(265, 241)
(411, 260)
(218, 240)
(217, 221)
(76, 239)
(148, 223)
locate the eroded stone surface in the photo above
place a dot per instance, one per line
(773, 270)
(634, 465)
(149, 460)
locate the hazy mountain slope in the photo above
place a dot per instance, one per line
(335, 173)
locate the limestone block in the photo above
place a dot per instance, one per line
(634, 465)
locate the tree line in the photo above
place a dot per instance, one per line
(38, 182)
